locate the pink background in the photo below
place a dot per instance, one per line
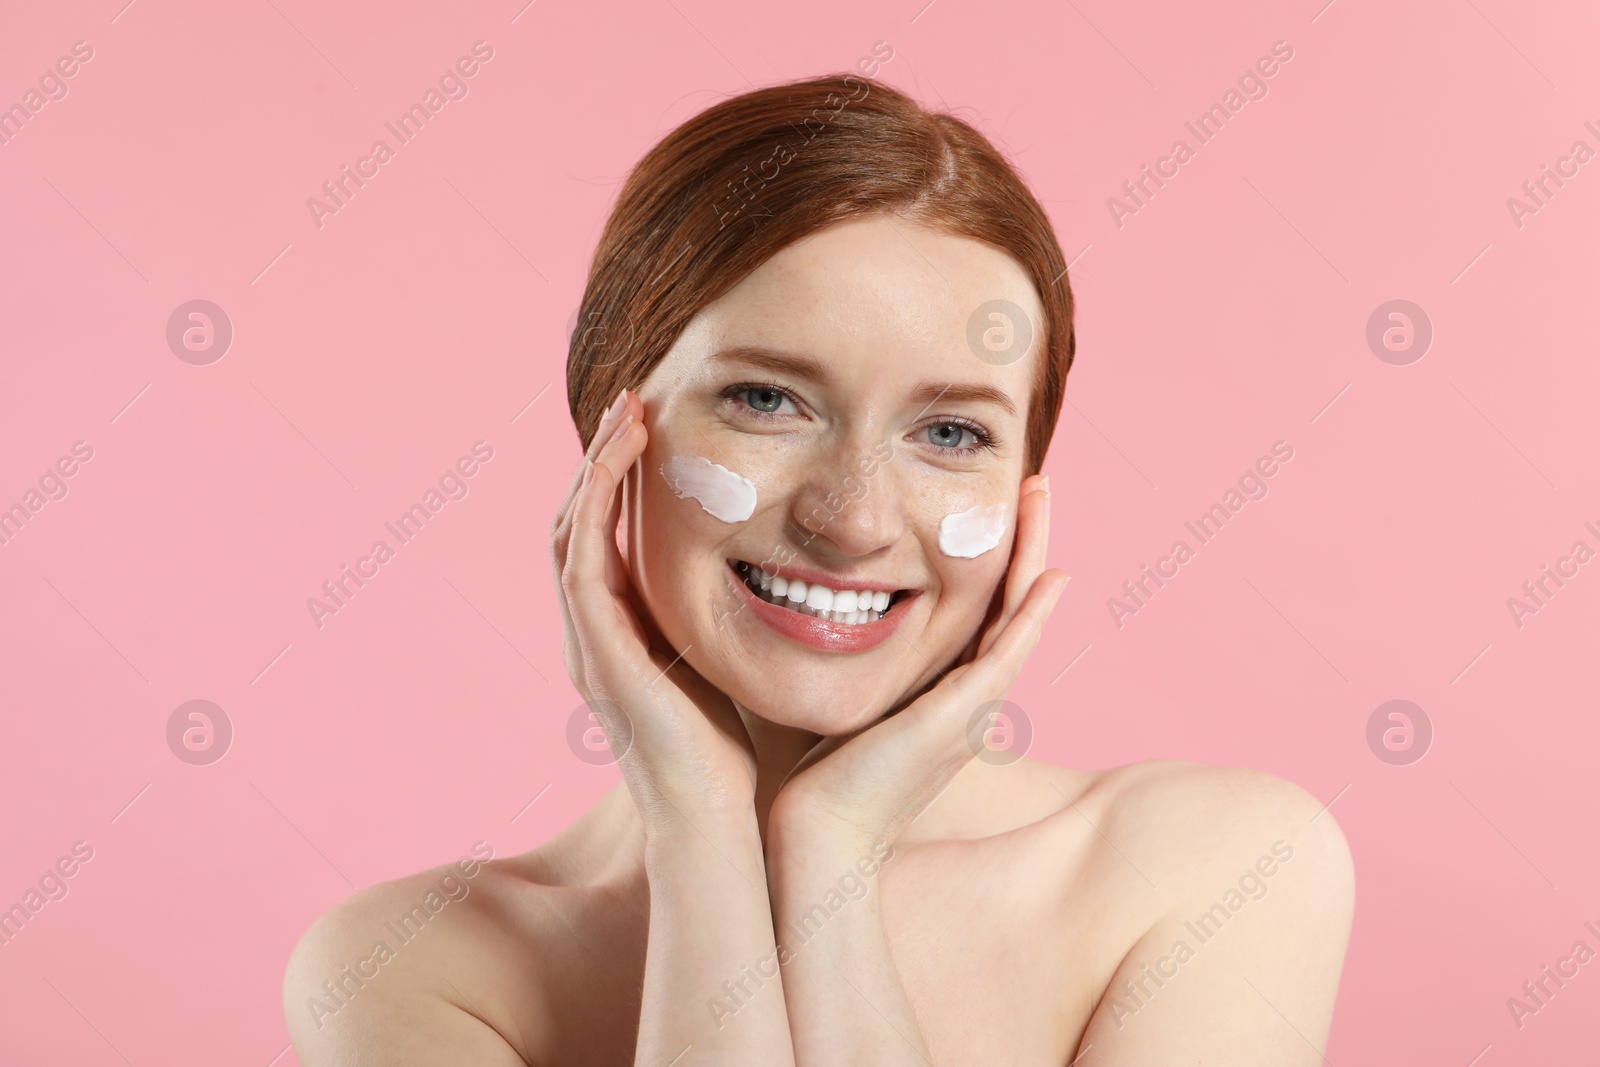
(1227, 314)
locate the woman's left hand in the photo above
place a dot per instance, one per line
(851, 793)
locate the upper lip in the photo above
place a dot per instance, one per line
(832, 581)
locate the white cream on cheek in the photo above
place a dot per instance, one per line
(969, 534)
(728, 496)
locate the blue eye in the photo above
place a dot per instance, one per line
(767, 400)
(957, 438)
(949, 435)
(762, 399)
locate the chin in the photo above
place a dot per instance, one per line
(827, 717)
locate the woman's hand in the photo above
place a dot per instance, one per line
(852, 797)
(681, 746)
(690, 768)
(851, 793)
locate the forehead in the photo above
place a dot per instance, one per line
(880, 293)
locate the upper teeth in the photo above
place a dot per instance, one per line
(851, 606)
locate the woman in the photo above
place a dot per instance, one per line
(825, 340)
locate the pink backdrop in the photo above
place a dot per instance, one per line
(370, 351)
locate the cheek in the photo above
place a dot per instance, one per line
(966, 533)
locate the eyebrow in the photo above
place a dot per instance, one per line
(774, 360)
(925, 392)
(962, 392)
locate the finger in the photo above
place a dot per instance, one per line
(1033, 535)
(620, 409)
(934, 726)
(994, 672)
(1028, 555)
(592, 547)
(597, 504)
(625, 436)
(616, 568)
(1007, 649)
(916, 753)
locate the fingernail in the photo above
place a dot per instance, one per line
(622, 428)
(616, 405)
(588, 473)
(1044, 483)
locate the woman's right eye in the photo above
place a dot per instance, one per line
(766, 401)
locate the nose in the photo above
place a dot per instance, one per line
(849, 503)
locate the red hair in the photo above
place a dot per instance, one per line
(725, 191)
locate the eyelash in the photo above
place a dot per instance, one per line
(736, 393)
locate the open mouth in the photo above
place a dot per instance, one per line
(849, 607)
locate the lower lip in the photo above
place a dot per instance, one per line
(821, 634)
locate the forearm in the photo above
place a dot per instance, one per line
(846, 1002)
(712, 992)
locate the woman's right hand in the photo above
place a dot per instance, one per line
(684, 751)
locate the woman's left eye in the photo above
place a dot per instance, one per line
(952, 435)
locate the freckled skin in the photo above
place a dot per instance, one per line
(880, 314)
(1022, 906)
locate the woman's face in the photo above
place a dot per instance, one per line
(837, 390)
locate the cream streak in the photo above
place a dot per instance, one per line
(728, 496)
(969, 534)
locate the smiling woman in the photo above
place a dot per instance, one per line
(805, 553)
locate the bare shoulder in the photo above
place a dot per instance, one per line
(1204, 824)
(416, 970)
(531, 958)
(1253, 887)
(1203, 819)
(1179, 817)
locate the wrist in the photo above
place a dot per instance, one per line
(670, 810)
(822, 907)
(682, 841)
(801, 828)
(811, 860)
